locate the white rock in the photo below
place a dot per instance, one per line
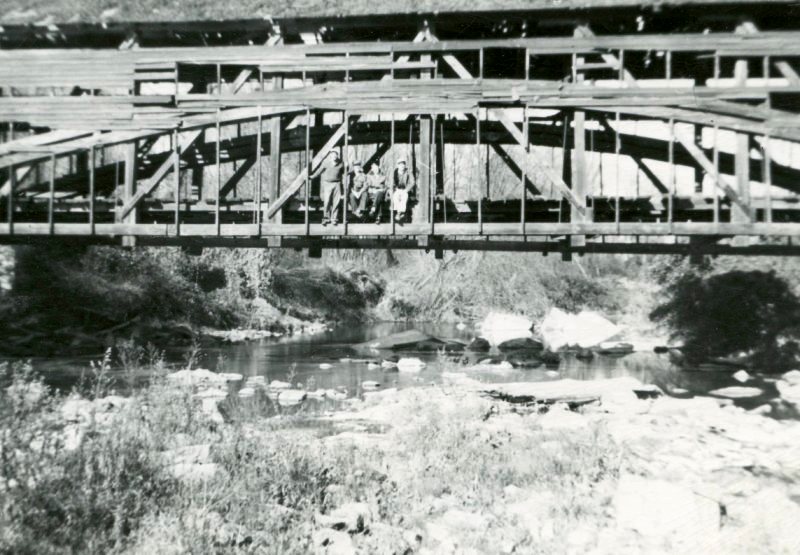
(562, 420)
(325, 366)
(246, 392)
(737, 392)
(194, 472)
(335, 395)
(388, 364)
(276, 385)
(789, 392)
(410, 364)
(498, 327)
(665, 512)
(585, 329)
(291, 397)
(792, 377)
(370, 385)
(461, 326)
(741, 376)
(317, 394)
(373, 366)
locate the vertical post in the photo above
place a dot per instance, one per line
(579, 188)
(478, 160)
(480, 63)
(345, 154)
(219, 79)
(91, 189)
(52, 197)
(257, 192)
(765, 70)
(527, 64)
(129, 189)
(672, 180)
(390, 174)
(668, 65)
(698, 171)
(767, 180)
(716, 173)
(177, 171)
(12, 185)
(525, 151)
(308, 169)
(617, 148)
(439, 152)
(275, 165)
(423, 212)
(621, 76)
(742, 164)
(219, 176)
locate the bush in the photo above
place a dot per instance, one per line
(732, 312)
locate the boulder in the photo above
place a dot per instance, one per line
(370, 385)
(407, 364)
(792, 377)
(246, 392)
(665, 512)
(741, 376)
(737, 392)
(520, 344)
(560, 329)
(614, 348)
(291, 397)
(524, 360)
(201, 376)
(479, 345)
(498, 327)
(325, 366)
(412, 340)
(789, 392)
(373, 366)
(277, 385)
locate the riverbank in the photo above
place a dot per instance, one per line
(188, 466)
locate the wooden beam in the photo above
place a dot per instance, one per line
(708, 167)
(150, 185)
(788, 72)
(654, 179)
(580, 187)
(237, 176)
(241, 79)
(742, 163)
(506, 157)
(423, 210)
(540, 163)
(298, 182)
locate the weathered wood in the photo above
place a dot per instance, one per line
(149, 186)
(423, 208)
(274, 184)
(579, 183)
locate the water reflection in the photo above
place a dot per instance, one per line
(298, 360)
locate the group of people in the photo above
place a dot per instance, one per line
(367, 192)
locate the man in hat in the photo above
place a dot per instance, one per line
(330, 173)
(403, 183)
(358, 191)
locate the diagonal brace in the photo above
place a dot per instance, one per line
(515, 168)
(709, 168)
(237, 176)
(158, 176)
(298, 182)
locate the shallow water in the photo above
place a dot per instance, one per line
(298, 359)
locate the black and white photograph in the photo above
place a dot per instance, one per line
(339, 277)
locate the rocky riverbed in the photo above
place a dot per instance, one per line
(565, 466)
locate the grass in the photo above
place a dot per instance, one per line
(114, 493)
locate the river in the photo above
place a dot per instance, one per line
(298, 359)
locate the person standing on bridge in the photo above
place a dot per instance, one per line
(331, 172)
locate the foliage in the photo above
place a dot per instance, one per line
(727, 313)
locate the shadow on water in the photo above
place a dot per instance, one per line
(298, 360)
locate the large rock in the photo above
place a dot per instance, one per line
(498, 327)
(526, 344)
(410, 365)
(737, 392)
(201, 376)
(291, 397)
(412, 340)
(666, 513)
(560, 329)
(479, 345)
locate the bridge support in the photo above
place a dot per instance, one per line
(129, 190)
(423, 209)
(578, 181)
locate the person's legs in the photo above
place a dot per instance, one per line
(376, 209)
(326, 192)
(336, 200)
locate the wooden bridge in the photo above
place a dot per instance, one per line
(623, 129)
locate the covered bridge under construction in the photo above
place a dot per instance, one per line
(669, 127)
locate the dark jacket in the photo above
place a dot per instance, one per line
(405, 181)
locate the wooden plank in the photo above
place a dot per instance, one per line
(742, 163)
(708, 167)
(580, 186)
(423, 208)
(298, 182)
(506, 157)
(237, 176)
(158, 176)
(241, 79)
